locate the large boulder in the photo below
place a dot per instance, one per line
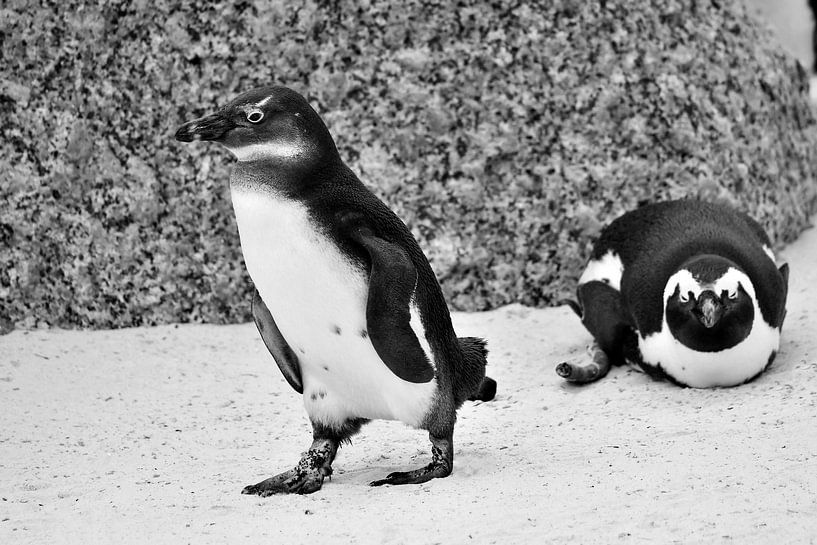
(505, 134)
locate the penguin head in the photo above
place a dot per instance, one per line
(272, 124)
(709, 304)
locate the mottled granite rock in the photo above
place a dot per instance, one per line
(505, 135)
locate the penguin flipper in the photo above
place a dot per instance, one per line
(605, 317)
(392, 281)
(781, 314)
(276, 344)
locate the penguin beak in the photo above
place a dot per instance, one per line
(212, 127)
(709, 309)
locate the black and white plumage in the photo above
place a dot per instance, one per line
(345, 300)
(685, 290)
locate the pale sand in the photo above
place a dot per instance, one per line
(148, 436)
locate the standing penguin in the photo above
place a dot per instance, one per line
(345, 300)
(686, 290)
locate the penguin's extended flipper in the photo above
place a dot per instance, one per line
(392, 280)
(276, 344)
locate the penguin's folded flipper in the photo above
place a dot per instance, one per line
(781, 312)
(392, 280)
(276, 344)
(585, 372)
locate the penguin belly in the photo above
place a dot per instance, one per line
(317, 297)
(728, 367)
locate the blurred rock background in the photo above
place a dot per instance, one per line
(505, 134)
(792, 24)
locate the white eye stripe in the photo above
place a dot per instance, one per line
(263, 102)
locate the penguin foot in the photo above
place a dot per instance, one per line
(288, 482)
(577, 373)
(597, 368)
(305, 478)
(417, 476)
(442, 463)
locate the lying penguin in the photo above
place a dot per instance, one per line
(684, 290)
(345, 300)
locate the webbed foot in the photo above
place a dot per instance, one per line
(442, 463)
(289, 482)
(305, 478)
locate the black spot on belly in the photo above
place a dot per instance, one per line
(315, 395)
(301, 350)
(337, 330)
(325, 367)
(364, 333)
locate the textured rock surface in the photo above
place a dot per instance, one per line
(504, 136)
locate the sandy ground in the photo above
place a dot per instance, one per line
(148, 435)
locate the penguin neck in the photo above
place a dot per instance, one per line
(284, 176)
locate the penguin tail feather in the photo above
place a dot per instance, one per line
(471, 379)
(486, 390)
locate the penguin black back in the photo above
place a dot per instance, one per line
(654, 240)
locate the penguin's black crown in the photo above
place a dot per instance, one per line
(270, 123)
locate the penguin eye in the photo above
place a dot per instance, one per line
(255, 116)
(684, 297)
(733, 294)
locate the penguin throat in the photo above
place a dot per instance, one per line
(288, 178)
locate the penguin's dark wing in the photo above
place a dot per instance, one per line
(605, 317)
(392, 281)
(781, 311)
(276, 344)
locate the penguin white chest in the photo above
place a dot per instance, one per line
(317, 297)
